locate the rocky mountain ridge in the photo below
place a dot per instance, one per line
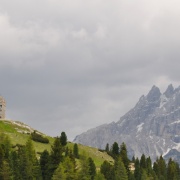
(152, 127)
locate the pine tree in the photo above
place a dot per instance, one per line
(107, 148)
(44, 163)
(133, 159)
(162, 167)
(107, 170)
(124, 156)
(25, 166)
(55, 156)
(143, 161)
(76, 151)
(66, 151)
(31, 158)
(99, 176)
(59, 173)
(172, 171)
(63, 139)
(137, 171)
(5, 144)
(120, 171)
(156, 168)
(15, 165)
(115, 149)
(83, 173)
(69, 166)
(92, 168)
(149, 166)
(65, 170)
(6, 172)
(144, 175)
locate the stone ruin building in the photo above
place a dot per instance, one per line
(2, 108)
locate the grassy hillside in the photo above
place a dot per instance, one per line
(20, 132)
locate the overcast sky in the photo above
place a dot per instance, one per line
(71, 65)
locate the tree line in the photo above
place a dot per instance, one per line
(137, 169)
(62, 163)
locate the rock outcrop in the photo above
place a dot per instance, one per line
(152, 127)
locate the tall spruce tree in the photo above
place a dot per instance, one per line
(107, 170)
(115, 149)
(45, 163)
(92, 168)
(65, 170)
(120, 170)
(143, 161)
(63, 139)
(137, 171)
(162, 168)
(107, 148)
(83, 173)
(172, 170)
(124, 156)
(76, 151)
(15, 166)
(55, 156)
(32, 159)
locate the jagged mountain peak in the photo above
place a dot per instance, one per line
(154, 94)
(177, 89)
(152, 127)
(169, 91)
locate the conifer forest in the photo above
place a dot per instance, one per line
(21, 162)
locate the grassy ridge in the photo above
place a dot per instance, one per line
(19, 133)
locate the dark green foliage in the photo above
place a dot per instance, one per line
(120, 170)
(149, 167)
(71, 156)
(15, 165)
(66, 151)
(107, 170)
(39, 138)
(56, 152)
(55, 156)
(131, 176)
(115, 149)
(133, 159)
(63, 139)
(76, 151)
(31, 156)
(5, 144)
(124, 156)
(6, 173)
(44, 164)
(65, 171)
(160, 168)
(92, 168)
(99, 176)
(83, 173)
(144, 175)
(25, 166)
(107, 147)
(28, 164)
(143, 161)
(1, 161)
(21, 163)
(173, 170)
(137, 172)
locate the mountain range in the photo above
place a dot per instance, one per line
(152, 127)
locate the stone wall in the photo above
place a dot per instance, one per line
(2, 108)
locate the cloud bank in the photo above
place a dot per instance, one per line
(72, 65)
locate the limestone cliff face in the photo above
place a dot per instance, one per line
(152, 127)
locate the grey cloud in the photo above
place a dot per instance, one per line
(73, 65)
